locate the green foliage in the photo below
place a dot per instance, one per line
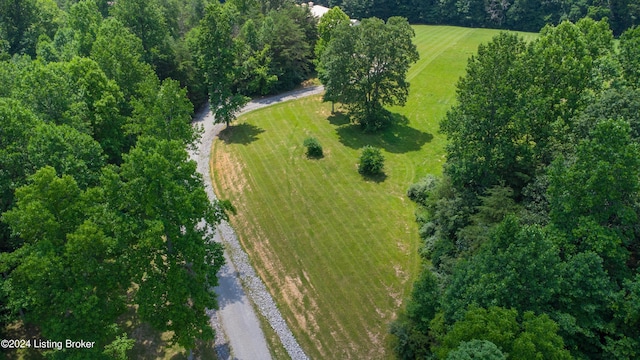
(532, 337)
(371, 161)
(419, 192)
(145, 19)
(291, 34)
(16, 124)
(584, 303)
(545, 131)
(164, 112)
(120, 55)
(476, 349)
(327, 24)
(215, 57)
(159, 202)
(314, 149)
(22, 22)
(117, 350)
(75, 93)
(77, 249)
(629, 55)
(409, 342)
(616, 103)
(518, 268)
(600, 214)
(63, 278)
(376, 75)
(84, 18)
(68, 151)
(482, 128)
(497, 203)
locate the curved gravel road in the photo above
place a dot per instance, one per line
(238, 332)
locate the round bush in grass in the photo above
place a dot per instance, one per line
(314, 149)
(371, 161)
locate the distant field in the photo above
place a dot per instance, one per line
(339, 253)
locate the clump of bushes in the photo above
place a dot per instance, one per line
(419, 192)
(371, 161)
(314, 149)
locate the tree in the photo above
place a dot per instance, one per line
(120, 55)
(593, 198)
(68, 151)
(411, 329)
(145, 19)
(476, 349)
(85, 19)
(630, 55)
(16, 124)
(165, 221)
(584, 305)
(518, 268)
(64, 277)
(215, 56)
(291, 34)
(253, 61)
(164, 112)
(327, 24)
(534, 337)
(79, 94)
(365, 67)
(482, 128)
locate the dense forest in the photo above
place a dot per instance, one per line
(532, 235)
(525, 15)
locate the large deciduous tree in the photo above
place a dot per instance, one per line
(215, 57)
(64, 277)
(165, 220)
(365, 67)
(482, 128)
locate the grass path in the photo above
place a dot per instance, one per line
(339, 253)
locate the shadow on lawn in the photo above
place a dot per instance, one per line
(377, 178)
(398, 138)
(339, 118)
(240, 134)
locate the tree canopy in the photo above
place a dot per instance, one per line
(537, 209)
(365, 67)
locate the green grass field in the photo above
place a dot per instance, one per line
(338, 252)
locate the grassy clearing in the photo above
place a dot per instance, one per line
(338, 251)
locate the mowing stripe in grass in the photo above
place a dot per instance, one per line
(338, 252)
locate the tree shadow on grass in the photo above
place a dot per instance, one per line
(240, 134)
(376, 178)
(398, 138)
(339, 118)
(314, 157)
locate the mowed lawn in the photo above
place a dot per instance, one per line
(339, 252)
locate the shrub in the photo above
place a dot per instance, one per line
(419, 192)
(371, 161)
(314, 149)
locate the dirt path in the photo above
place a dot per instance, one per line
(238, 332)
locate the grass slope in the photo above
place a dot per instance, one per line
(339, 252)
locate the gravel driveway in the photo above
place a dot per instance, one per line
(238, 332)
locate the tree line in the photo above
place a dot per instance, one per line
(524, 15)
(532, 235)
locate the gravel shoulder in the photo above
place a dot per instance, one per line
(238, 332)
